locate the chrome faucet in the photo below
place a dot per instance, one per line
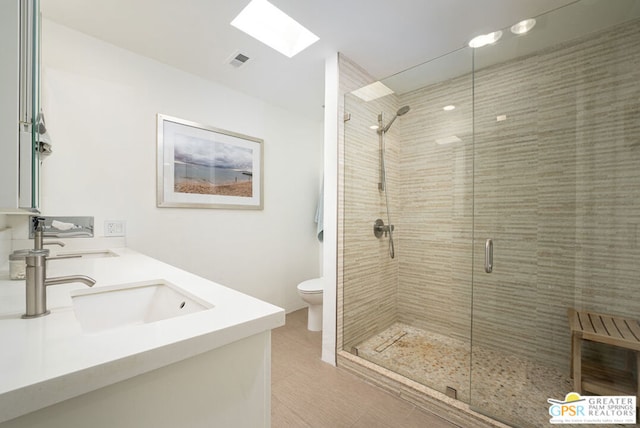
(37, 281)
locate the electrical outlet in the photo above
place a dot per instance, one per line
(114, 228)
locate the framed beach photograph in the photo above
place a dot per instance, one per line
(200, 166)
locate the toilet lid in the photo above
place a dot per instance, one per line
(311, 286)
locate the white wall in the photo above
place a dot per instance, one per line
(101, 103)
(330, 210)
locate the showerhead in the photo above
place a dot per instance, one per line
(401, 111)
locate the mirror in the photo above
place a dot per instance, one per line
(19, 105)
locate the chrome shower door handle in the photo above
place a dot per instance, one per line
(488, 256)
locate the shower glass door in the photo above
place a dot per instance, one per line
(411, 314)
(556, 203)
(513, 185)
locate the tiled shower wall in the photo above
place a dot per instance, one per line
(370, 275)
(436, 208)
(557, 188)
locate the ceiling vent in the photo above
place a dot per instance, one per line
(237, 59)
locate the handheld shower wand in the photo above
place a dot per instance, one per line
(381, 131)
(401, 112)
(382, 185)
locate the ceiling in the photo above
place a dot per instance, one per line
(382, 36)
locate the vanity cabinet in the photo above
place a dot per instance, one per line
(226, 387)
(19, 105)
(210, 368)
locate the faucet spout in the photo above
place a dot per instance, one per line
(71, 278)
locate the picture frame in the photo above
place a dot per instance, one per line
(199, 166)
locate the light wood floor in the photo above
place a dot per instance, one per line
(305, 392)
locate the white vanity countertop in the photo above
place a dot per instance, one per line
(49, 359)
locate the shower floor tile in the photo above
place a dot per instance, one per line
(431, 359)
(506, 387)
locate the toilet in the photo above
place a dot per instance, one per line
(311, 292)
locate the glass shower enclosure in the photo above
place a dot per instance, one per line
(513, 188)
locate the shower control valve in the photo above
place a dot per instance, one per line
(379, 228)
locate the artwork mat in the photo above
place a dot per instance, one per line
(169, 129)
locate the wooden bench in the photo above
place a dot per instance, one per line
(616, 331)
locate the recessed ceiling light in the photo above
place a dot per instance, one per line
(478, 41)
(265, 22)
(373, 91)
(523, 27)
(485, 39)
(449, 107)
(374, 127)
(494, 37)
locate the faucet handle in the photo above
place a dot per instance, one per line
(38, 229)
(38, 222)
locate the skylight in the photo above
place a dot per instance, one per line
(268, 24)
(373, 91)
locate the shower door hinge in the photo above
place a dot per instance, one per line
(347, 117)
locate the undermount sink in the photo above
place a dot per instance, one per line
(87, 254)
(109, 307)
